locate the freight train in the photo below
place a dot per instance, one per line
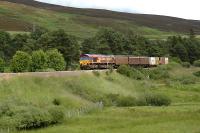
(95, 61)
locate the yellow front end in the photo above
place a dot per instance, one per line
(85, 62)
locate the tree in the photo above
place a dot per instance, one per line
(18, 42)
(89, 46)
(39, 60)
(2, 65)
(110, 41)
(181, 52)
(20, 62)
(193, 49)
(5, 40)
(38, 32)
(66, 44)
(55, 60)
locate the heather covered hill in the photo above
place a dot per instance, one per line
(21, 15)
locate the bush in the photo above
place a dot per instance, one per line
(29, 117)
(5, 110)
(56, 102)
(57, 114)
(2, 65)
(197, 74)
(158, 73)
(187, 80)
(157, 100)
(7, 122)
(111, 99)
(130, 72)
(119, 100)
(96, 73)
(55, 60)
(126, 101)
(21, 62)
(185, 64)
(39, 61)
(32, 117)
(197, 63)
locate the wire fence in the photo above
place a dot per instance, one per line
(83, 110)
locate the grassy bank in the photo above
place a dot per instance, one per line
(114, 90)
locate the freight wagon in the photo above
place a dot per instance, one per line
(94, 61)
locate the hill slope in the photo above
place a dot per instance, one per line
(85, 22)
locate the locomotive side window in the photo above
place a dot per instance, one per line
(85, 58)
(95, 59)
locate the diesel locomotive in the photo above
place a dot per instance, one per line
(96, 61)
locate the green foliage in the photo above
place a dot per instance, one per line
(197, 74)
(181, 52)
(186, 80)
(96, 73)
(66, 44)
(126, 101)
(157, 99)
(20, 62)
(39, 60)
(57, 114)
(5, 40)
(130, 72)
(197, 63)
(38, 32)
(29, 117)
(32, 117)
(56, 102)
(2, 65)
(55, 60)
(186, 64)
(158, 73)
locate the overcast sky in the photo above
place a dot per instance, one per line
(188, 9)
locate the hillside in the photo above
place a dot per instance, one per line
(83, 91)
(20, 15)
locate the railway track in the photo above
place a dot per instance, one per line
(47, 74)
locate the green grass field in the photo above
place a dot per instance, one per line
(181, 87)
(173, 119)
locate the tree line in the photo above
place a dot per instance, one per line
(105, 41)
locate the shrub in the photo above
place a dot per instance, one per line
(2, 65)
(7, 122)
(32, 117)
(20, 62)
(157, 100)
(119, 100)
(125, 101)
(159, 73)
(197, 63)
(187, 80)
(111, 99)
(197, 74)
(96, 73)
(5, 110)
(185, 64)
(55, 60)
(29, 117)
(56, 102)
(57, 114)
(39, 61)
(130, 72)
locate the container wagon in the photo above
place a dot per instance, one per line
(94, 61)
